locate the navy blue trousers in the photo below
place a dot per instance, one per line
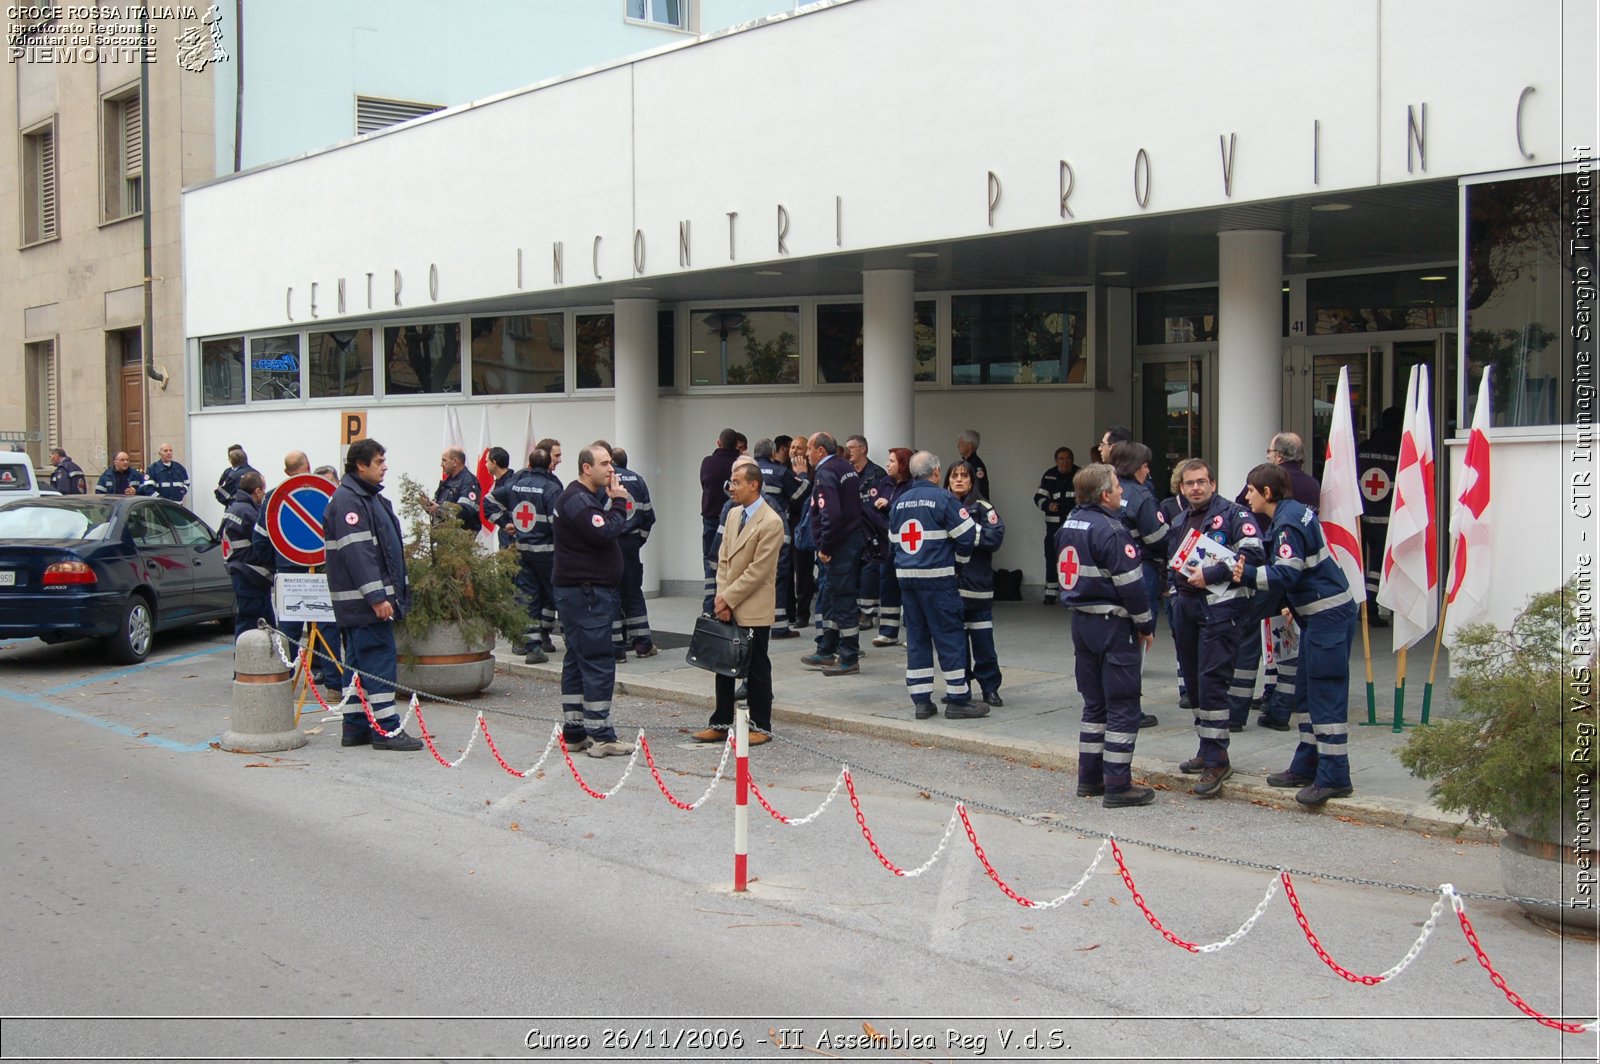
(1052, 574)
(836, 602)
(977, 617)
(589, 668)
(1107, 672)
(867, 579)
(632, 624)
(370, 648)
(537, 589)
(1280, 700)
(1208, 642)
(931, 610)
(888, 599)
(1322, 700)
(250, 604)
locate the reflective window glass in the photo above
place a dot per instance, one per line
(595, 349)
(1181, 317)
(341, 363)
(1019, 338)
(274, 368)
(519, 354)
(840, 347)
(422, 359)
(1382, 302)
(222, 372)
(747, 345)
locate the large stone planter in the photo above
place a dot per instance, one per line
(441, 662)
(1534, 865)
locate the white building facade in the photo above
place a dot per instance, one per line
(882, 216)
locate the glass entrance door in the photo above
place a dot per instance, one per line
(1175, 415)
(1366, 368)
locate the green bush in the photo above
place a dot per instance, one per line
(1507, 756)
(454, 584)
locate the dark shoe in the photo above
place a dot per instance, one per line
(1314, 795)
(709, 735)
(1254, 707)
(396, 741)
(994, 699)
(787, 633)
(645, 649)
(1210, 784)
(1135, 795)
(820, 661)
(841, 669)
(866, 621)
(1148, 720)
(924, 710)
(965, 710)
(536, 656)
(1375, 621)
(1236, 726)
(547, 645)
(1265, 721)
(1185, 702)
(741, 693)
(1091, 790)
(1050, 598)
(1288, 779)
(619, 653)
(1192, 767)
(356, 738)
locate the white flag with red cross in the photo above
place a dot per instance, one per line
(1409, 581)
(1339, 507)
(1471, 530)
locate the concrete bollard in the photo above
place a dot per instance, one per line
(263, 699)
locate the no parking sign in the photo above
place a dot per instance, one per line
(294, 518)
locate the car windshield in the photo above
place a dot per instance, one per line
(23, 521)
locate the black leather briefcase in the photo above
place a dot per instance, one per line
(721, 647)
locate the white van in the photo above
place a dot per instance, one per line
(17, 479)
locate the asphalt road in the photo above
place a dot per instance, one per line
(163, 899)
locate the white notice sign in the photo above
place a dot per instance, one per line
(302, 597)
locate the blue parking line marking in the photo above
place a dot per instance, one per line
(121, 729)
(131, 670)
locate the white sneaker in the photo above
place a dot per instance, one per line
(610, 748)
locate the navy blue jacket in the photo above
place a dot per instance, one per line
(1100, 567)
(366, 560)
(228, 483)
(929, 527)
(531, 533)
(237, 531)
(1299, 564)
(1054, 487)
(715, 469)
(113, 483)
(170, 479)
(462, 489)
(586, 527)
(835, 503)
(1229, 524)
(1143, 519)
(68, 478)
(641, 512)
(874, 481)
(975, 568)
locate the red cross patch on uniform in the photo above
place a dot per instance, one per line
(227, 548)
(1285, 551)
(964, 514)
(1216, 522)
(994, 518)
(1067, 566)
(822, 501)
(1127, 548)
(352, 518)
(1248, 529)
(597, 521)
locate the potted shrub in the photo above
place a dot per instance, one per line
(461, 597)
(1520, 752)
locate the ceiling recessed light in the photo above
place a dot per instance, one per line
(640, 288)
(1331, 207)
(1285, 288)
(769, 273)
(1434, 277)
(1110, 232)
(1113, 273)
(922, 254)
(1301, 255)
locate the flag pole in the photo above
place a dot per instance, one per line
(1400, 691)
(1366, 651)
(1433, 669)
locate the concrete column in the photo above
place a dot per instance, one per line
(889, 359)
(1249, 351)
(637, 397)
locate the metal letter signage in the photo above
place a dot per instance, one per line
(1522, 99)
(1141, 178)
(594, 258)
(555, 263)
(731, 216)
(1417, 137)
(294, 518)
(994, 195)
(1068, 181)
(638, 251)
(1228, 145)
(433, 281)
(783, 229)
(397, 288)
(683, 242)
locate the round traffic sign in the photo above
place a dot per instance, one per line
(294, 518)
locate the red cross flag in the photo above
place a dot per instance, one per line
(1339, 508)
(487, 537)
(1470, 528)
(1409, 581)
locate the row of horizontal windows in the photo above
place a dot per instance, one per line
(1005, 338)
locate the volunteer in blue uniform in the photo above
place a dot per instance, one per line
(1207, 612)
(1298, 562)
(228, 483)
(169, 478)
(527, 499)
(367, 581)
(265, 556)
(967, 441)
(874, 527)
(1142, 518)
(122, 477)
(975, 581)
(588, 521)
(1054, 498)
(1112, 626)
(836, 526)
(458, 485)
(897, 477)
(633, 627)
(67, 477)
(779, 487)
(499, 462)
(929, 527)
(1171, 510)
(252, 581)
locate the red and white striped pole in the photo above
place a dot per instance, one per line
(741, 798)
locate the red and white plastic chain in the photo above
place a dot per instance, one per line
(278, 643)
(1138, 899)
(866, 833)
(809, 817)
(1343, 973)
(633, 759)
(1083, 880)
(687, 807)
(416, 707)
(555, 735)
(1498, 980)
(983, 859)
(1246, 927)
(366, 708)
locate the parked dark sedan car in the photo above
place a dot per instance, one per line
(114, 568)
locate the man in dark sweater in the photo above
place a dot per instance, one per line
(588, 518)
(715, 469)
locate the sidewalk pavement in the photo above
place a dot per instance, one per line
(1039, 722)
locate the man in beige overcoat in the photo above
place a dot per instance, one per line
(747, 581)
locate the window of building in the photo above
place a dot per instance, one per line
(274, 368)
(122, 156)
(43, 398)
(744, 345)
(519, 354)
(222, 372)
(595, 350)
(1521, 287)
(373, 113)
(666, 349)
(340, 363)
(39, 183)
(422, 359)
(841, 343)
(1184, 316)
(1019, 338)
(1381, 302)
(677, 14)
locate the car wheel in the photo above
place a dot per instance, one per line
(131, 642)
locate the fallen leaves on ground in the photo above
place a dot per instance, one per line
(1088, 949)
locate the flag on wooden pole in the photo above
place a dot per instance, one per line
(1339, 508)
(1470, 527)
(1409, 580)
(488, 539)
